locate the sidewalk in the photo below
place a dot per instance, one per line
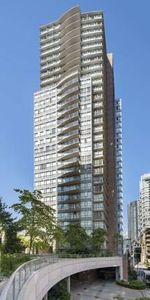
(3, 281)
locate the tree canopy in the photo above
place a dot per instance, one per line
(77, 239)
(35, 217)
(97, 239)
(8, 230)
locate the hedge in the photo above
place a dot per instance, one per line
(10, 262)
(133, 284)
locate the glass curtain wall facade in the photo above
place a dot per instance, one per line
(119, 169)
(74, 123)
(133, 221)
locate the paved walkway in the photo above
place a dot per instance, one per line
(103, 290)
(2, 283)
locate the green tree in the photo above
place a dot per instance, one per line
(5, 216)
(35, 217)
(12, 243)
(60, 238)
(98, 238)
(77, 239)
(8, 230)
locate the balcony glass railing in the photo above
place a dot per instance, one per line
(46, 66)
(71, 151)
(68, 188)
(68, 162)
(43, 53)
(90, 53)
(67, 109)
(68, 83)
(66, 144)
(49, 45)
(93, 45)
(68, 117)
(89, 40)
(91, 32)
(49, 58)
(50, 29)
(67, 135)
(49, 37)
(70, 91)
(68, 171)
(68, 206)
(67, 101)
(68, 216)
(69, 126)
(51, 79)
(68, 197)
(89, 18)
(68, 179)
(50, 72)
(96, 24)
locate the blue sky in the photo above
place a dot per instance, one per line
(127, 26)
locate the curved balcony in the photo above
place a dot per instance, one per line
(68, 109)
(68, 136)
(69, 14)
(68, 172)
(69, 154)
(69, 83)
(68, 163)
(71, 126)
(69, 100)
(70, 92)
(68, 145)
(68, 118)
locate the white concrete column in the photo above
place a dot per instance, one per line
(45, 297)
(117, 273)
(68, 284)
(121, 271)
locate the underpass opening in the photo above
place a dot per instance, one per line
(102, 274)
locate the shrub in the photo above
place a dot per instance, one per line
(132, 275)
(133, 284)
(58, 292)
(10, 262)
(145, 298)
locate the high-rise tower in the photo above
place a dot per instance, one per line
(144, 203)
(74, 123)
(144, 217)
(119, 171)
(133, 221)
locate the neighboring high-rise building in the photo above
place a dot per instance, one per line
(144, 203)
(75, 124)
(144, 217)
(133, 221)
(119, 176)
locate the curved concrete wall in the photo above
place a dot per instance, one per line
(44, 279)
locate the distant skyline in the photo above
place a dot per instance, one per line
(127, 32)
